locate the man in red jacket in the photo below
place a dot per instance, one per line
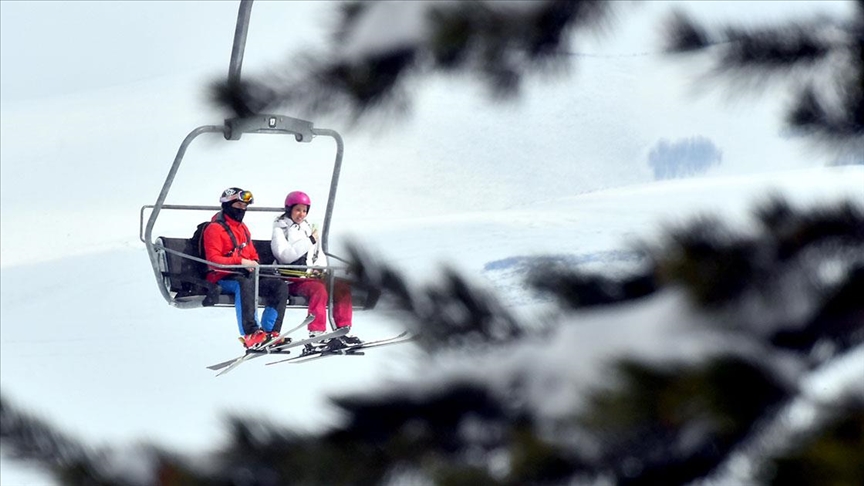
(231, 244)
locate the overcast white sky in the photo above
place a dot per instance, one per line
(52, 48)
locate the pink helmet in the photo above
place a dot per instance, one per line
(297, 197)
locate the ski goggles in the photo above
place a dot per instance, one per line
(242, 196)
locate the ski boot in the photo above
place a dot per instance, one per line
(254, 340)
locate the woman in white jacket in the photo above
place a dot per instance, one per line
(296, 242)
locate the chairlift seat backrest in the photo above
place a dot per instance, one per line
(174, 278)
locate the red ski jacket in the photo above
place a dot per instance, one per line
(219, 248)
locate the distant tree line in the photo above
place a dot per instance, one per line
(683, 158)
(849, 159)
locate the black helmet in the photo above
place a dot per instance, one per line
(236, 194)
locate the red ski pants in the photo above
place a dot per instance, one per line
(315, 291)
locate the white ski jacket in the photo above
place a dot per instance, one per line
(291, 244)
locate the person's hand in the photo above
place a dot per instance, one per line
(314, 235)
(249, 263)
(316, 273)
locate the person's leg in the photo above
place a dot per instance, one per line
(343, 311)
(243, 289)
(275, 293)
(316, 294)
(234, 287)
(268, 319)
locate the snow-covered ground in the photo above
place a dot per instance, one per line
(87, 340)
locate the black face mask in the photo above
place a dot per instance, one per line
(234, 213)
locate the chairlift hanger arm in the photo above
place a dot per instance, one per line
(334, 184)
(264, 123)
(239, 47)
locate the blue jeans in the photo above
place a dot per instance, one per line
(274, 293)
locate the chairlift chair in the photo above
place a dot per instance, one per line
(166, 253)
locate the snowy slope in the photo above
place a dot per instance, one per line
(92, 333)
(109, 348)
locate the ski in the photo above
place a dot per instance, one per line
(254, 353)
(350, 350)
(281, 349)
(355, 350)
(273, 348)
(262, 350)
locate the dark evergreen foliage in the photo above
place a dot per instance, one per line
(831, 455)
(651, 422)
(453, 313)
(499, 44)
(829, 103)
(576, 290)
(647, 421)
